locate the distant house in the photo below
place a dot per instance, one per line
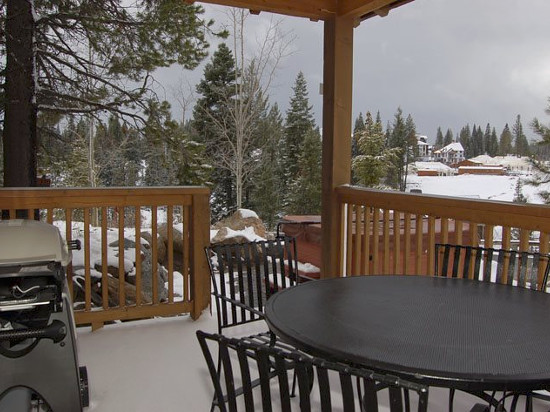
(424, 149)
(482, 170)
(466, 162)
(452, 153)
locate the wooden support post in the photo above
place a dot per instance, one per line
(337, 117)
(200, 232)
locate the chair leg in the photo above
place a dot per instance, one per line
(218, 372)
(528, 402)
(451, 399)
(294, 380)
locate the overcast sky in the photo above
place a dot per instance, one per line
(446, 62)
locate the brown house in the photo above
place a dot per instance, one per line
(482, 170)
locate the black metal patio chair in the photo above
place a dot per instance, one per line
(510, 267)
(247, 363)
(244, 276)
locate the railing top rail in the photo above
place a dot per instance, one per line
(78, 191)
(527, 216)
(29, 197)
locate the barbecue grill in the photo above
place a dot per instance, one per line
(38, 353)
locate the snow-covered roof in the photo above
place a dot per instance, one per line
(431, 166)
(492, 167)
(453, 147)
(506, 161)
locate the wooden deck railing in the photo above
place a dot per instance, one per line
(101, 213)
(403, 228)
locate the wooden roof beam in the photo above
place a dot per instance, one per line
(312, 9)
(363, 9)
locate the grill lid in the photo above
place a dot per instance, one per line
(24, 242)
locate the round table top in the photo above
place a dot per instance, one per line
(456, 333)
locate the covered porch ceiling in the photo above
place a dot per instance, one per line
(316, 9)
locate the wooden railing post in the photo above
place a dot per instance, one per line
(200, 238)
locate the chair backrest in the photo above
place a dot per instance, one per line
(245, 275)
(322, 385)
(511, 267)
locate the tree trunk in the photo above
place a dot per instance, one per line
(20, 139)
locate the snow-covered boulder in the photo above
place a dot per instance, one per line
(242, 226)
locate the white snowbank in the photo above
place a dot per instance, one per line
(248, 233)
(246, 213)
(308, 268)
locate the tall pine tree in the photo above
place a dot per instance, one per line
(299, 122)
(374, 159)
(465, 139)
(492, 143)
(505, 143)
(266, 197)
(542, 130)
(305, 191)
(217, 88)
(521, 143)
(448, 139)
(478, 144)
(358, 127)
(403, 138)
(439, 139)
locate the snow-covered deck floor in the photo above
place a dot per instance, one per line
(156, 365)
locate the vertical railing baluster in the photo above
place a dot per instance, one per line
(459, 229)
(186, 253)
(137, 219)
(349, 239)
(121, 271)
(69, 237)
(430, 262)
(386, 241)
(376, 241)
(154, 255)
(419, 232)
(104, 260)
(366, 239)
(170, 251)
(87, 257)
(397, 261)
(357, 238)
(407, 244)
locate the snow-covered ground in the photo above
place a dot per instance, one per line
(475, 186)
(156, 365)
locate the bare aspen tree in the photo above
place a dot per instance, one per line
(183, 94)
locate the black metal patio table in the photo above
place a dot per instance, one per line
(447, 332)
